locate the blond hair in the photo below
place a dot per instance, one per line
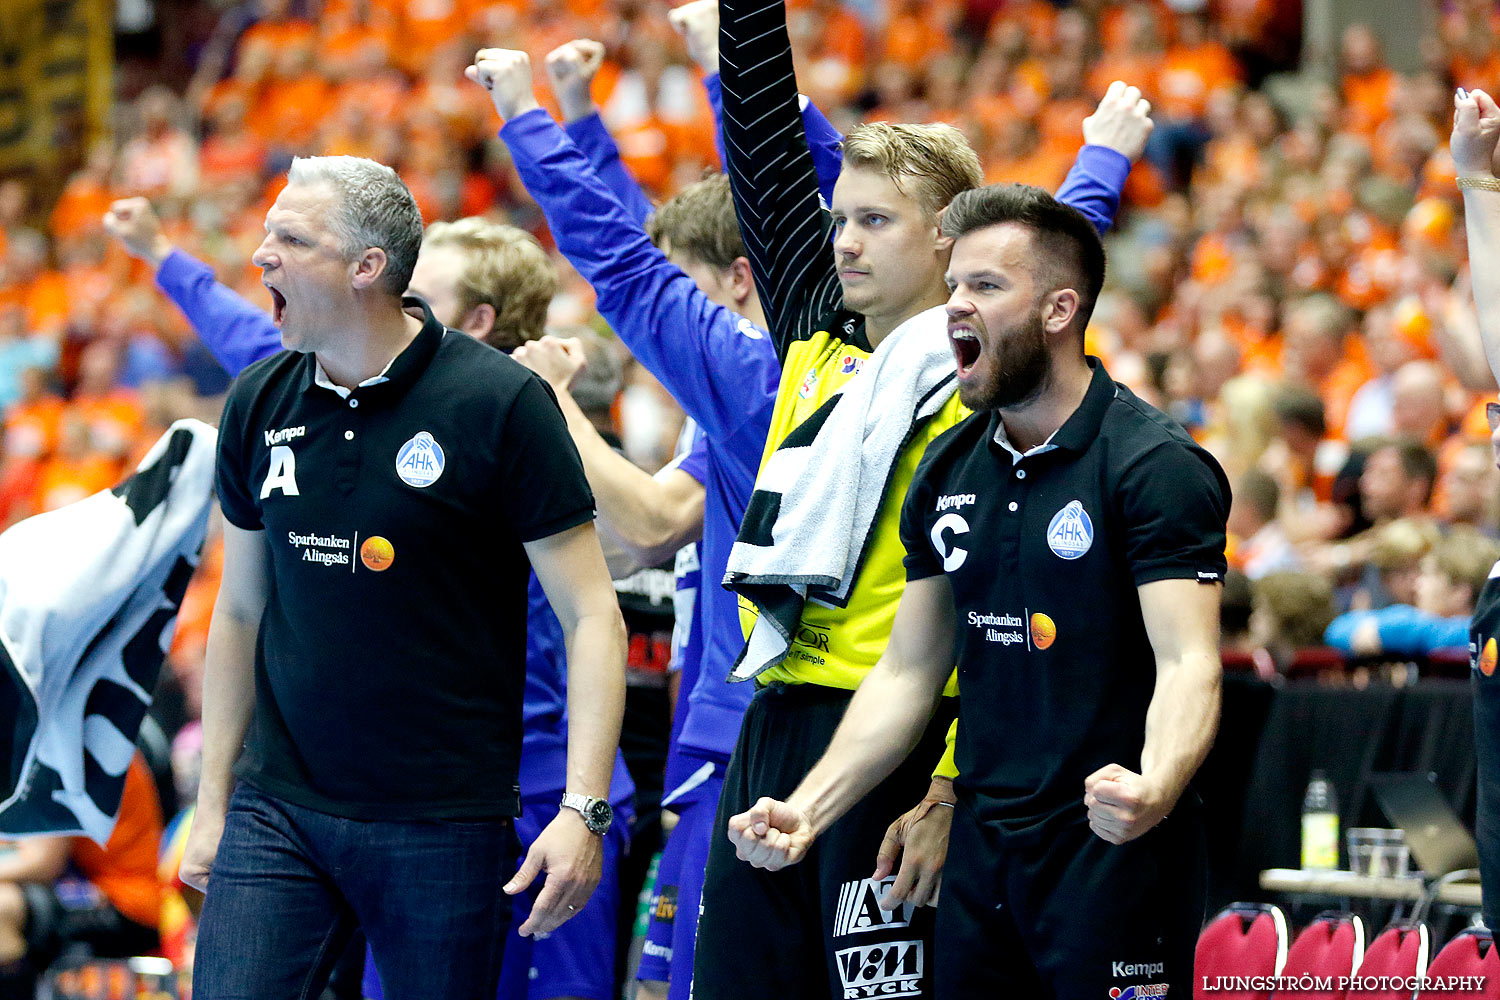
(700, 223)
(1465, 557)
(935, 160)
(504, 268)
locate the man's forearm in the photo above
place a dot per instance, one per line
(1181, 721)
(630, 500)
(228, 701)
(1482, 223)
(884, 721)
(596, 701)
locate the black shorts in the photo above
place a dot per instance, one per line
(1072, 915)
(813, 930)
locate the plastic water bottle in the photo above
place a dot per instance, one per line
(1320, 824)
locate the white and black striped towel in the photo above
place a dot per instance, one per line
(810, 518)
(88, 600)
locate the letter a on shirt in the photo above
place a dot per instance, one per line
(283, 473)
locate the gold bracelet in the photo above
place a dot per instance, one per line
(1480, 183)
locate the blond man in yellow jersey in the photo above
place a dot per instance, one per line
(821, 930)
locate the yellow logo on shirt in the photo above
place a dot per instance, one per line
(377, 554)
(1043, 631)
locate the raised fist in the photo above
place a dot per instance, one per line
(506, 74)
(698, 24)
(571, 68)
(1121, 122)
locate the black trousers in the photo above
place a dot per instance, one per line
(813, 930)
(1069, 914)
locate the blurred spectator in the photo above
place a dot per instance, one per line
(1445, 590)
(1471, 490)
(1262, 545)
(1291, 612)
(1397, 481)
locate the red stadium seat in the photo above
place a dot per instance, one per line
(1316, 661)
(1328, 949)
(1237, 661)
(1470, 954)
(1451, 662)
(1399, 953)
(1244, 939)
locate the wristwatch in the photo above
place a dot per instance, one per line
(597, 815)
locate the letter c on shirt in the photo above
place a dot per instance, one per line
(954, 558)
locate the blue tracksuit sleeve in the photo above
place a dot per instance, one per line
(825, 141)
(1340, 631)
(1095, 183)
(235, 330)
(1404, 630)
(718, 366)
(595, 142)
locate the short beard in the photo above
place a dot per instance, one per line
(1022, 371)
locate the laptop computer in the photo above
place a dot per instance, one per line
(1437, 838)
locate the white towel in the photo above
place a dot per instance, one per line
(88, 602)
(809, 520)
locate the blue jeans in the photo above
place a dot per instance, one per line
(289, 885)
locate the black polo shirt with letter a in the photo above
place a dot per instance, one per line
(391, 658)
(1045, 552)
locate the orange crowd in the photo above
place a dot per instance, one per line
(1284, 238)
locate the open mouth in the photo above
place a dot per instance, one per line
(966, 350)
(278, 305)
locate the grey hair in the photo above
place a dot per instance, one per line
(375, 209)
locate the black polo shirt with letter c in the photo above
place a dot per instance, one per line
(1044, 556)
(391, 658)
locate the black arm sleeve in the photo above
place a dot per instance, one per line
(1175, 502)
(771, 172)
(545, 489)
(236, 497)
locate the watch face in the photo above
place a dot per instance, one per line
(599, 815)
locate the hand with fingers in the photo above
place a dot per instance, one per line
(1476, 134)
(558, 360)
(1122, 121)
(506, 74)
(1121, 804)
(133, 222)
(202, 845)
(920, 838)
(698, 24)
(571, 68)
(772, 835)
(572, 859)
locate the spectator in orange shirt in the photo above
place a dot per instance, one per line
(59, 890)
(87, 196)
(1138, 57)
(1193, 68)
(75, 471)
(231, 151)
(111, 413)
(1367, 83)
(916, 32)
(1318, 356)
(32, 421)
(162, 159)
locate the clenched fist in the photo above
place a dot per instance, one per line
(1122, 122)
(506, 74)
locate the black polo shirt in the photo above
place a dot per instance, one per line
(392, 654)
(1044, 555)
